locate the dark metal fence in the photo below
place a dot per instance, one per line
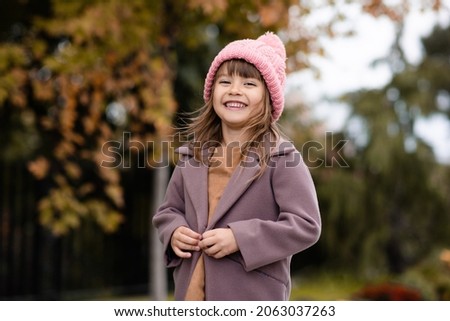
(87, 263)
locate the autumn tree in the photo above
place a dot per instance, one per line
(389, 209)
(70, 86)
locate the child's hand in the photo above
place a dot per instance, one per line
(184, 240)
(219, 242)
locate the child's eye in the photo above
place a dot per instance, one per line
(224, 82)
(251, 84)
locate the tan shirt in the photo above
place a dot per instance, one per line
(222, 166)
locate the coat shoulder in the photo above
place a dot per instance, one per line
(283, 147)
(185, 150)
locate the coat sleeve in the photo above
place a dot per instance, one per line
(298, 226)
(171, 215)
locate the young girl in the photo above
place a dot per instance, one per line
(241, 201)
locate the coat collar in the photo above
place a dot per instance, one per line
(197, 182)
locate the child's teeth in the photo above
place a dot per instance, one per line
(235, 105)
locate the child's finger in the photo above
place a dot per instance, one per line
(188, 232)
(181, 254)
(206, 242)
(186, 240)
(182, 243)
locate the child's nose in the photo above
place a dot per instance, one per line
(235, 88)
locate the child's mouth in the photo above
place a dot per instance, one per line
(235, 105)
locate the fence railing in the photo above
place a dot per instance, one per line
(87, 263)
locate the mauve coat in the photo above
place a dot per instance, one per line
(272, 218)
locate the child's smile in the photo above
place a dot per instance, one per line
(235, 105)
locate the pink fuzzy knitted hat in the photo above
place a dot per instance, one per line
(267, 54)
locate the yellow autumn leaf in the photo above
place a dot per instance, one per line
(39, 167)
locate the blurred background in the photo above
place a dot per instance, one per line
(92, 91)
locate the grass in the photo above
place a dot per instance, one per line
(324, 287)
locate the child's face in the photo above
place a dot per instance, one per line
(237, 99)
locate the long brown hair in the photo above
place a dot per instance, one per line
(205, 131)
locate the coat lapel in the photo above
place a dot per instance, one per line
(196, 183)
(239, 182)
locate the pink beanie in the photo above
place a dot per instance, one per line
(267, 54)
